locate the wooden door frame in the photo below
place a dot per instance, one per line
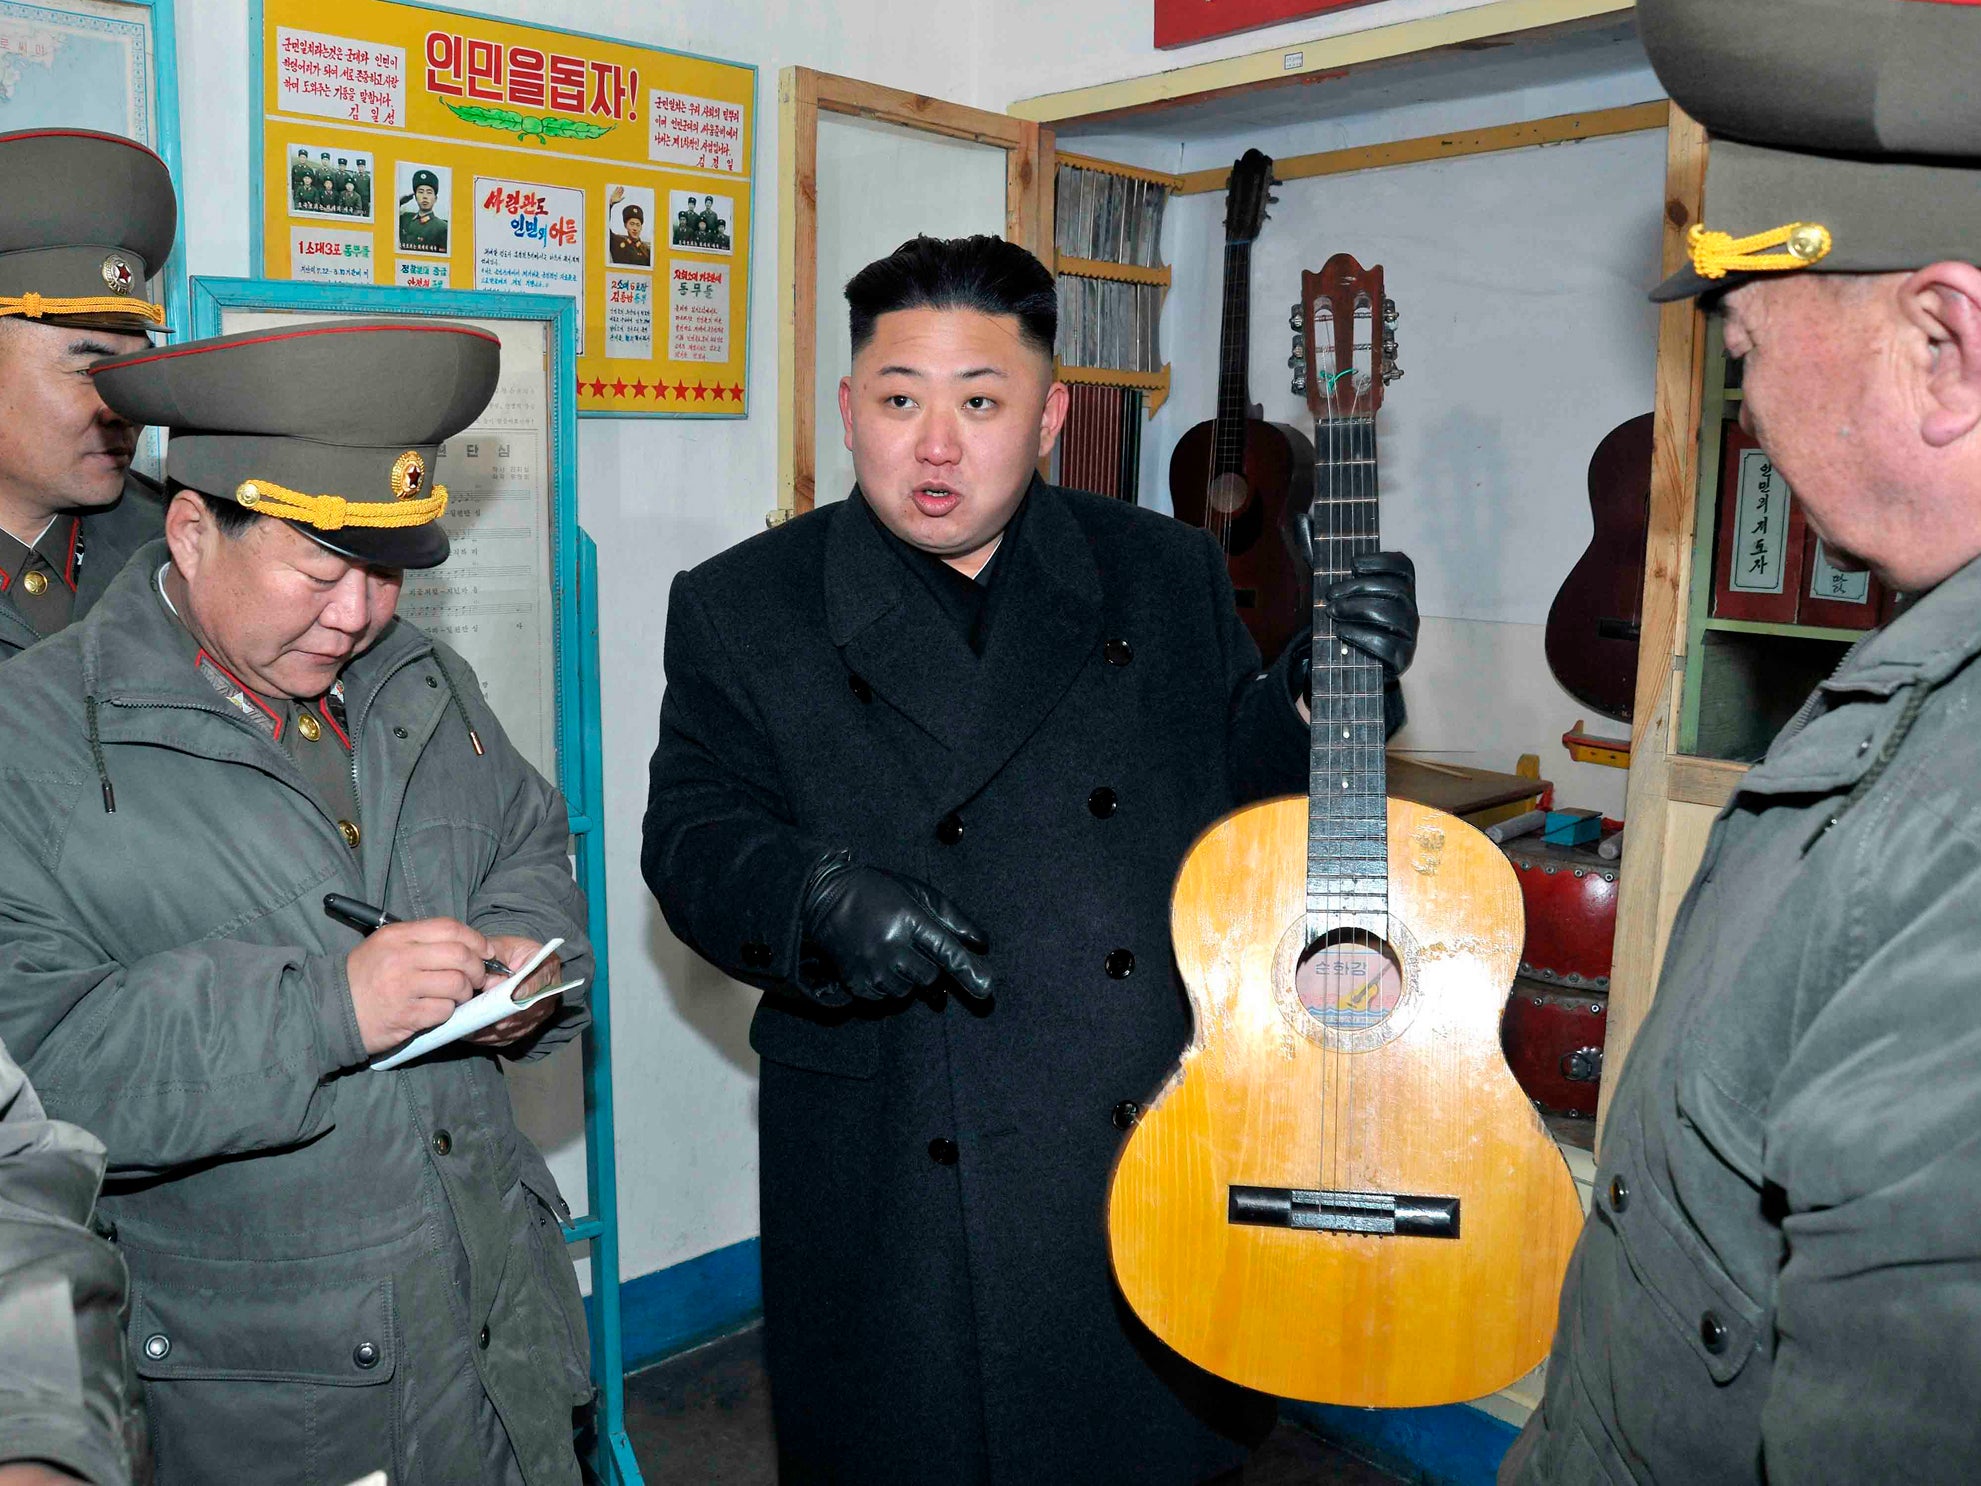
(803, 94)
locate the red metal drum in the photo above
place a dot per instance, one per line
(1570, 896)
(1553, 1040)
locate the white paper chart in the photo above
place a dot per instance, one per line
(491, 600)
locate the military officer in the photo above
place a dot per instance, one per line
(337, 1270)
(1778, 1280)
(326, 173)
(88, 219)
(362, 175)
(421, 229)
(687, 222)
(629, 246)
(299, 170)
(348, 202)
(1009, 710)
(68, 1400)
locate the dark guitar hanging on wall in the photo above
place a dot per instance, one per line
(1234, 475)
(1593, 622)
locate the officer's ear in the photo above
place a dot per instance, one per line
(191, 531)
(1943, 302)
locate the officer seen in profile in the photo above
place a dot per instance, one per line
(88, 218)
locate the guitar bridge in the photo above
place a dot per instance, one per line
(1378, 1214)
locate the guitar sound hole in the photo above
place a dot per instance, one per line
(1349, 980)
(1227, 494)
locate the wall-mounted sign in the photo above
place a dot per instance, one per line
(1181, 22)
(432, 149)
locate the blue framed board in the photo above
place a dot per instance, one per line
(567, 726)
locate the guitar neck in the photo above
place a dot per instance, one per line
(1347, 817)
(1234, 399)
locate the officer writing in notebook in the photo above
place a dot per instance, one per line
(1779, 1279)
(337, 1270)
(87, 219)
(954, 735)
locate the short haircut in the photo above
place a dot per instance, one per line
(985, 274)
(231, 517)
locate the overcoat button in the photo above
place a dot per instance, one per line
(400, 733)
(442, 1142)
(1619, 1194)
(307, 726)
(1126, 1113)
(949, 830)
(1120, 964)
(365, 1354)
(1103, 802)
(1118, 652)
(1713, 1333)
(433, 683)
(482, 1340)
(349, 832)
(36, 584)
(157, 1346)
(756, 954)
(859, 684)
(942, 1151)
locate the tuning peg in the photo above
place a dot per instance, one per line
(1390, 313)
(1300, 382)
(1272, 200)
(1392, 374)
(1297, 318)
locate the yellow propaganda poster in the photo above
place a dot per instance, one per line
(433, 149)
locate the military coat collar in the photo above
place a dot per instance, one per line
(892, 633)
(109, 539)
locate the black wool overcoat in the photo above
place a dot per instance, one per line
(938, 1302)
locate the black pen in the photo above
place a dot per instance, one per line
(364, 917)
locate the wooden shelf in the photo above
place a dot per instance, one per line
(1100, 268)
(1703, 781)
(1155, 383)
(1793, 631)
(1115, 167)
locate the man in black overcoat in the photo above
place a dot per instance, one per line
(929, 759)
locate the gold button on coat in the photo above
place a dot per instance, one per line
(306, 725)
(36, 584)
(349, 832)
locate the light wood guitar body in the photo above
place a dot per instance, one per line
(1269, 1095)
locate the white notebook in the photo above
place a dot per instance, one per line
(484, 1010)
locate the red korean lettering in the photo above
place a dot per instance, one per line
(567, 83)
(443, 60)
(563, 231)
(608, 89)
(526, 77)
(485, 70)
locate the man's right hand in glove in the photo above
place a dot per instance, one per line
(883, 937)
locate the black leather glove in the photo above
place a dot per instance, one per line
(1375, 610)
(883, 937)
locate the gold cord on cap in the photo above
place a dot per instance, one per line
(1716, 254)
(333, 512)
(35, 306)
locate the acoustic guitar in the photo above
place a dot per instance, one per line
(1341, 1194)
(1234, 475)
(1593, 622)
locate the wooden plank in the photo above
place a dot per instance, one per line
(1456, 789)
(1703, 781)
(1047, 183)
(849, 95)
(1127, 273)
(1300, 62)
(1686, 829)
(1600, 124)
(1021, 193)
(797, 291)
(1162, 178)
(1643, 915)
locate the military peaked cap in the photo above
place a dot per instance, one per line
(85, 220)
(1845, 138)
(333, 427)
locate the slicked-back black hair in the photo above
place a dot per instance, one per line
(981, 273)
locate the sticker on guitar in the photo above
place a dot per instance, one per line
(1349, 985)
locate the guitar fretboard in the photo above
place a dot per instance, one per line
(1234, 354)
(1348, 817)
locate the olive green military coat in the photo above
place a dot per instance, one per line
(109, 539)
(66, 1394)
(1781, 1277)
(333, 1270)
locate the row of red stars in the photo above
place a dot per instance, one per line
(680, 391)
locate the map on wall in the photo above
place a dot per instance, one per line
(1181, 22)
(433, 149)
(80, 66)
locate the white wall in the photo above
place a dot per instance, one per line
(685, 1074)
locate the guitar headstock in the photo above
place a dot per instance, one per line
(1248, 196)
(1344, 352)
